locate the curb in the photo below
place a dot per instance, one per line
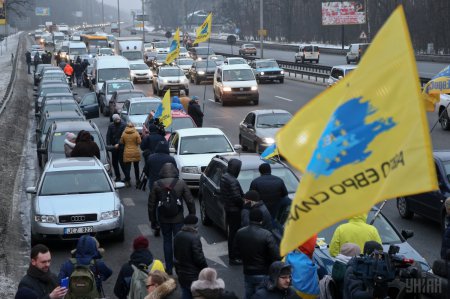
(12, 80)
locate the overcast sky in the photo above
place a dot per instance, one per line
(131, 4)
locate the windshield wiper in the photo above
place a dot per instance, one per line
(377, 213)
(267, 125)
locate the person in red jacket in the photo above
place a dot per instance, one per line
(68, 70)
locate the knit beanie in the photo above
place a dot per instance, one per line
(265, 168)
(140, 242)
(252, 195)
(190, 219)
(350, 249)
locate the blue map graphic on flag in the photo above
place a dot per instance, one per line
(159, 111)
(443, 73)
(346, 137)
(173, 46)
(204, 29)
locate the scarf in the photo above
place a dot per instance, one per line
(44, 277)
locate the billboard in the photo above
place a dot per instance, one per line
(2, 13)
(343, 13)
(42, 11)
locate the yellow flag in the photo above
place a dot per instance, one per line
(362, 141)
(438, 85)
(174, 50)
(164, 112)
(204, 31)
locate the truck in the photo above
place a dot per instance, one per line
(132, 48)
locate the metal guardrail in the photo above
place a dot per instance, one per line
(12, 80)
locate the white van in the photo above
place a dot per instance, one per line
(109, 68)
(235, 83)
(76, 49)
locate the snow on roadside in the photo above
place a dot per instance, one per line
(7, 47)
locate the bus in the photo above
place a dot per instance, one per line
(94, 41)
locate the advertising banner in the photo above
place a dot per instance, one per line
(2, 13)
(343, 13)
(42, 11)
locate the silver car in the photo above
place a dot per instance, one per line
(257, 130)
(73, 197)
(136, 110)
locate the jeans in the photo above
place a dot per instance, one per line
(186, 293)
(169, 230)
(116, 160)
(127, 171)
(234, 223)
(29, 66)
(278, 210)
(78, 78)
(251, 283)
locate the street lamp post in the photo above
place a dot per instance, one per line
(103, 13)
(261, 27)
(143, 22)
(118, 15)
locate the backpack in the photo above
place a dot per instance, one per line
(169, 204)
(82, 284)
(327, 288)
(138, 289)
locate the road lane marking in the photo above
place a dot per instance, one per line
(285, 99)
(214, 251)
(145, 229)
(128, 202)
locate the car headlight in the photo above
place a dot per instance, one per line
(199, 58)
(268, 140)
(282, 72)
(201, 72)
(45, 218)
(254, 88)
(190, 169)
(226, 88)
(110, 214)
(261, 73)
(165, 81)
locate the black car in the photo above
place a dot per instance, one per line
(120, 96)
(49, 97)
(430, 204)
(87, 77)
(59, 105)
(202, 70)
(38, 72)
(89, 105)
(49, 88)
(211, 203)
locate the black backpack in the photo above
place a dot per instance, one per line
(169, 204)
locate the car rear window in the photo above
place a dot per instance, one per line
(180, 123)
(308, 49)
(112, 87)
(248, 175)
(57, 145)
(121, 98)
(206, 144)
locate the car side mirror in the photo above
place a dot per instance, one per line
(407, 234)
(237, 147)
(172, 150)
(250, 126)
(31, 190)
(119, 185)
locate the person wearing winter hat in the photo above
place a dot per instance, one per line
(188, 254)
(348, 251)
(150, 141)
(258, 249)
(141, 255)
(184, 100)
(69, 144)
(131, 154)
(195, 111)
(161, 286)
(115, 130)
(252, 201)
(278, 285)
(85, 146)
(176, 104)
(208, 286)
(305, 279)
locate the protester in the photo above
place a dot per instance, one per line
(131, 154)
(446, 236)
(36, 60)
(195, 111)
(141, 255)
(258, 250)
(69, 144)
(356, 231)
(58, 58)
(176, 104)
(188, 254)
(232, 197)
(184, 100)
(305, 279)
(252, 201)
(155, 162)
(85, 146)
(26, 293)
(87, 254)
(161, 286)
(348, 251)
(39, 279)
(28, 60)
(78, 71)
(113, 135)
(150, 141)
(68, 70)
(277, 286)
(208, 286)
(272, 190)
(165, 208)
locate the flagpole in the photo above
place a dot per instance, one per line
(204, 89)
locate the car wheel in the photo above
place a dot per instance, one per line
(203, 215)
(444, 119)
(403, 209)
(120, 237)
(282, 80)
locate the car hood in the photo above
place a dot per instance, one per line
(173, 78)
(138, 120)
(267, 132)
(196, 160)
(140, 71)
(76, 204)
(211, 68)
(240, 83)
(268, 69)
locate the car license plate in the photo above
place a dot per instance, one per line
(241, 98)
(78, 230)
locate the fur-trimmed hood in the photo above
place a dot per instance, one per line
(208, 286)
(164, 290)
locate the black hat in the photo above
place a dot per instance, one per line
(256, 215)
(371, 246)
(252, 195)
(190, 219)
(265, 168)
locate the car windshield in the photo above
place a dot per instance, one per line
(236, 61)
(75, 182)
(202, 64)
(161, 45)
(139, 66)
(60, 107)
(267, 64)
(161, 57)
(180, 123)
(121, 98)
(55, 90)
(273, 120)
(48, 122)
(143, 108)
(106, 51)
(238, 75)
(113, 74)
(57, 145)
(206, 144)
(248, 46)
(171, 73)
(112, 87)
(387, 232)
(185, 62)
(132, 55)
(204, 51)
(246, 176)
(77, 51)
(64, 49)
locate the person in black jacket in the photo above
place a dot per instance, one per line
(170, 225)
(115, 130)
(272, 190)
(155, 162)
(258, 249)
(231, 191)
(252, 201)
(39, 279)
(85, 146)
(278, 285)
(78, 71)
(446, 236)
(195, 111)
(188, 253)
(150, 141)
(28, 60)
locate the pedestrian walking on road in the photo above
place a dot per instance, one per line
(131, 153)
(78, 71)
(165, 208)
(151, 140)
(188, 253)
(195, 111)
(208, 286)
(232, 194)
(278, 285)
(252, 201)
(28, 60)
(113, 135)
(36, 60)
(155, 162)
(39, 279)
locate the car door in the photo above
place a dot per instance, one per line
(103, 96)
(124, 112)
(89, 105)
(214, 205)
(248, 130)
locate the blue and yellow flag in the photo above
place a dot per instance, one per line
(164, 112)
(360, 142)
(174, 50)
(270, 152)
(204, 31)
(439, 84)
